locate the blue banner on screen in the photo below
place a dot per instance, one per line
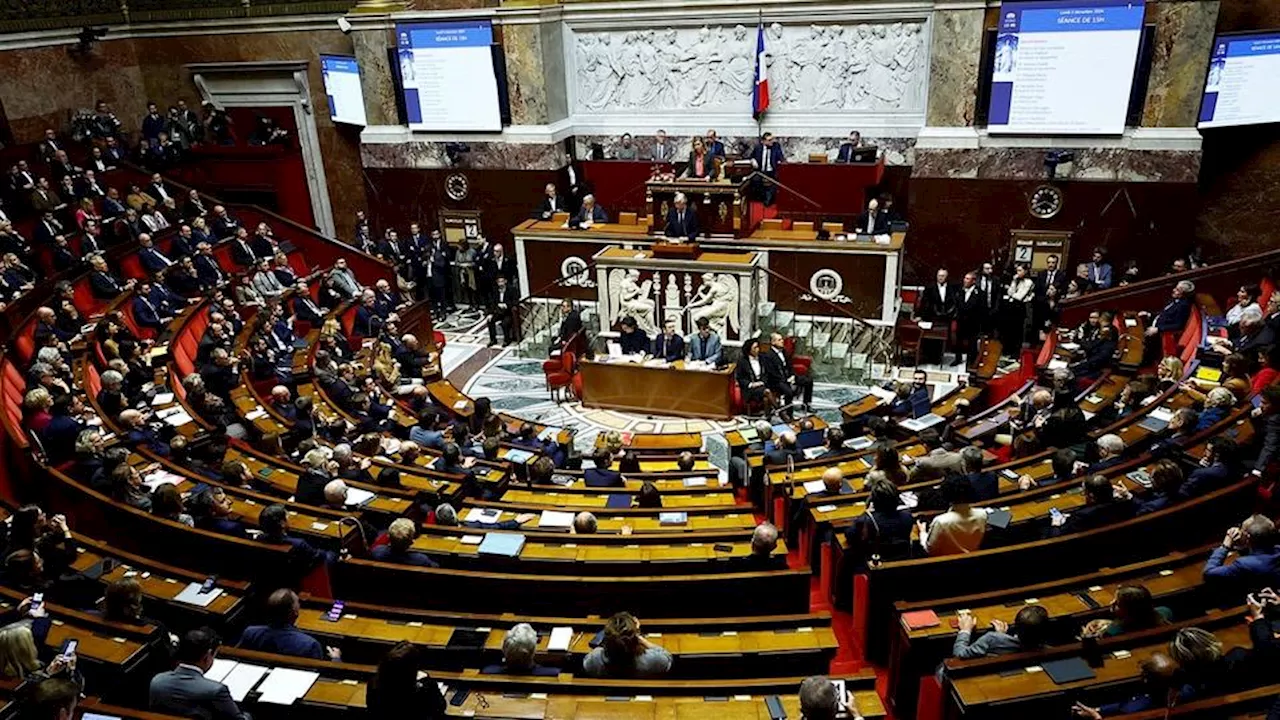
(1243, 83)
(446, 69)
(1064, 67)
(342, 85)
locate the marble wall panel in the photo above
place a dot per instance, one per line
(479, 155)
(526, 81)
(1184, 38)
(896, 150)
(375, 75)
(1109, 164)
(953, 67)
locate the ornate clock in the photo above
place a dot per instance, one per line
(1045, 202)
(456, 186)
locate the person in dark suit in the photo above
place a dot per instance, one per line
(498, 262)
(590, 214)
(242, 253)
(400, 686)
(750, 375)
(280, 635)
(519, 650)
(502, 311)
(1051, 276)
(400, 535)
(601, 475)
(1214, 471)
(872, 221)
(570, 325)
(669, 345)
(145, 312)
(153, 123)
(938, 302)
(783, 449)
(152, 260)
(715, 148)
(781, 373)
(971, 316)
(1102, 507)
(304, 308)
(918, 400)
(50, 145)
(1257, 564)
(551, 203)
(102, 283)
(682, 222)
(1099, 274)
(984, 482)
(185, 691)
(1098, 355)
(368, 322)
(439, 275)
(765, 158)
(632, 339)
(849, 147)
(207, 267)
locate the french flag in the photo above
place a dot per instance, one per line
(760, 91)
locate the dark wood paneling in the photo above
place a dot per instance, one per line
(546, 261)
(862, 277)
(959, 224)
(505, 198)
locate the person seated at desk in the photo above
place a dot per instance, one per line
(626, 653)
(663, 151)
(701, 165)
(1030, 626)
(519, 648)
(280, 635)
(917, 401)
(446, 516)
(551, 204)
(400, 683)
(681, 221)
(632, 338)
(849, 147)
(669, 345)
(400, 535)
(715, 148)
(704, 345)
(626, 149)
(873, 221)
(601, 475)
(590, 214)
(1103, 506)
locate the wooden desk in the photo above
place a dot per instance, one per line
(670, 390)
(721, 205)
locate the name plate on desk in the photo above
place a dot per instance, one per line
(682, 251)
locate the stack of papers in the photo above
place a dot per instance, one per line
(517, 455)
(220, 668)
(560, 639)
(161, 477)
(883, 394)
(673, 518)
(1164, 415)
(486, 516)
(549, 433)
(255, 414)
(285, 685)
(162, 399)
(191, 595)
(695, 482)
(922, 422)
(555, 519)
(460, 405)
(242, 678)
(813, 452)
(858, 443)
(1070, 347)
(1057, 364)
(924, 324)
(814, 486)
(178, 419)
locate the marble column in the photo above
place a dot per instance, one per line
(370, 46)
(1183, 39)
(526, 77)
(953, 67)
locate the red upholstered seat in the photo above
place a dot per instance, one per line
(559, 373)
(25, 342)
(799, 363)
(439, 339)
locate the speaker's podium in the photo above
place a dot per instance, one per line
(721, 205)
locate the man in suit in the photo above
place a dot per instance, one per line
(1098, 354)
(47, 229)
(207, 267)
(145, 311)
(263, 242)
(632, 339)
(704, 345)
(438, 262)
(499, 263)
(871, 221)
(1103, 506)
(590, 214)
(280, 635)
(918, 402)
(1214, 471)
(153, 123)
(570, 325)
(668, 345)
(849, 147)
(1257, 564)
(389, 249)
(971, 316)
(1051, 276)
(368, 323)
(61, 166)
(185, 691)
(992, 294)
(1100, 270)
(102, 283)
(681, 221)
(111, 205)
(551, 203)
(715, 148)
(765, 158)
(1173, 316)
(939, 300)
(783, 449)
(44, 199)
(158, 190)
(400, 535)
(502, 309)
(664, 151)
(50, 145)
(938, 462)
(782, 376)
(152, 260)
(602, 475)
(90, 187)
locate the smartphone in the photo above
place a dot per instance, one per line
(69, 647)
(210, 583)
(36, 601)
(774, 704)
(459, 697)
(335, 612)
(721, 547)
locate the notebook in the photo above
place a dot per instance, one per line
(618, 501)
(1153, 424)
(918, 619)
(555, 519)
(999, 518)
(673, 518)
(500, 543)
(560, 639)
(1068, 670)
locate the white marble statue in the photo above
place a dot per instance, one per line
(629, 296)
(717, 301)
(868, 67)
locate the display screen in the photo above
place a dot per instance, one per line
(447, 75)
(1064, 67)
(1243, 83)
(342, 85)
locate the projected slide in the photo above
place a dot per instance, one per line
(1243, 85)
(342, 85)
(1064, 67)
(447, 73)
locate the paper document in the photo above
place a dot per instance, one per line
(1057, 364)
(500, 543)
(858, 443)
(460, 405)
(924, 324)
(695, 482)
(1162, 414)
(549, 433)
(814, 486)
(161, 399)
(178, 419)
(813, 452)
(220, 669)
(615, 348)
(161, 477)
(255, 414)
(883, 394)
(560, 639)
(471, 539)
(285, 685)
(488, 516)
(242, 679)
(516, 455)
(358, 496)
(1071, 347)
(191, 595)
(555, 519)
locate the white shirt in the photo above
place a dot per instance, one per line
(968, 293)
(871, 221)
(754, 362)
(942, 292)
(956, 531)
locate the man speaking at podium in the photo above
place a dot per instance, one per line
(681, 221)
